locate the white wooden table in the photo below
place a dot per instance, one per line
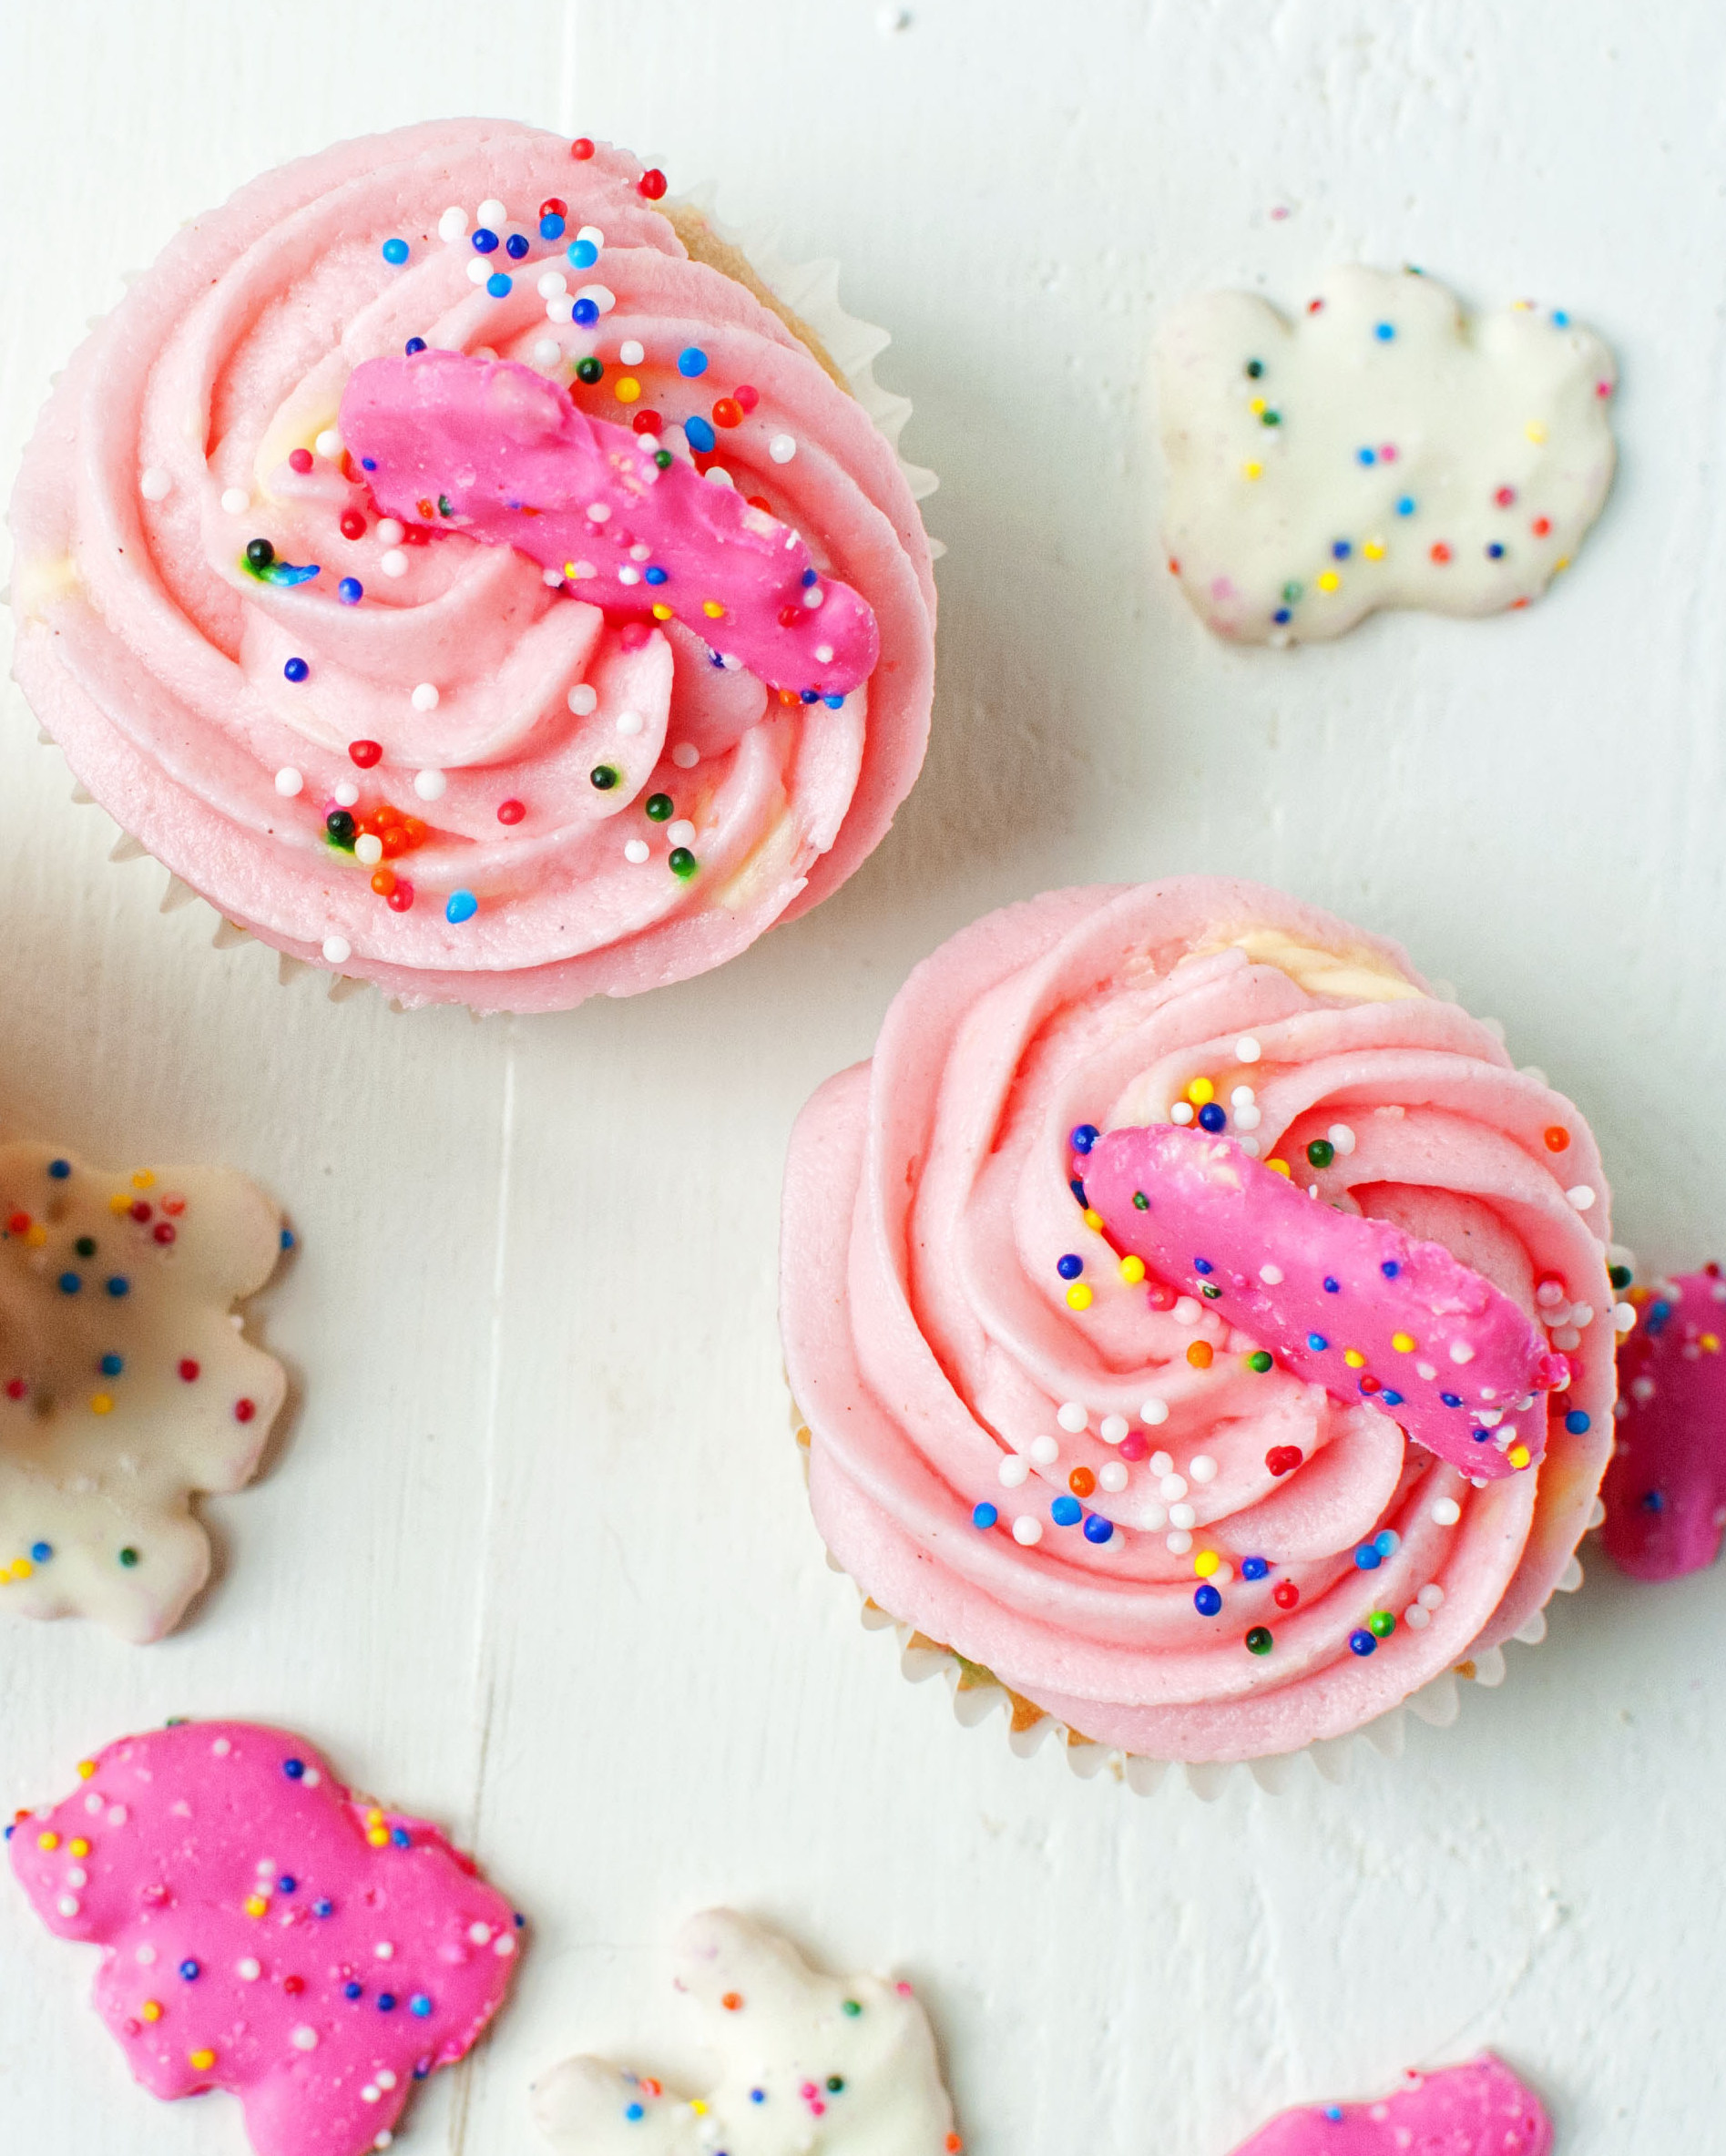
(533, 1556)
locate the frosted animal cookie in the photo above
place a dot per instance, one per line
(265, 1932)
(810, 2065)
(1379, 451)
(1665, 1490)
(127, 1386)
(1478, 2110)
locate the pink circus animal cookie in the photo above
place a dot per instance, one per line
(493, 449)
(1665, 1490)
(1342, 1300)
(1478, 2110)
(265, 1932)
(124, 1384)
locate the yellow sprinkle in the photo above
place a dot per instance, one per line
(47, 1840)
(569, 570)
(1278, 1167)
(1132, 1270)
(1252, 469)
(86, 1767)
(1201, 1092)
(201, 2062)
(256, 1906)
(1328, 580)
(377, 1837)
(1257, 406)
(1354, 1358)
(698, 2107)
(22, 1567)
(1535, 431)
(142, 1179)
(1563, 562)
(1709, 1344)
(628, 390)
(151, 2009)
(1206, 1563)
(1093, 1220)
(662, 612)
(118, 1202)
(712, 609)
(1402, 1343)
(1373, 549)
(78, 1848)
(101, 1403)
(1078, 1296)
(35, 1235)
(374, 1817)
(1517, 1456)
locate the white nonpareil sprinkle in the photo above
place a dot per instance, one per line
(1248, 1117)
(782, 449)
(289, 782)
(368, 849)
(629, 574)
(1271, 1275)
(430, 784)
(1162, 1463)
(235, 500)
(479, 269)
(1243, 1096)
(603, 299)
(1446, 1512)
(1460, 1352)
(1201, 1467)
(560, 309)
(547, 352)
(576, 571)
(583, 699)
(552, 577)
(1624, 1317)
(598, 512)
(592, 235)
(337, 950)
(394, 563)
(389, 532)
(329, 444)
(1154, 1411)
(1013, 1471)
(154, 485)
(1179, 1542)
(1182, 1112)
(481, 1933)
(629, 723)
(250, 1971)
(424, 696)
(1416, 1618)
(1342, 1137)
(1246, 1049)
(305, 2038)
(636, 852)
(1027, 1528)
(1112, 1429)
(492, 213)
(1431, 1597)
(1581, 1196)
(551, 284)
(631, 353)
(814, 596)
(68, 1905)
(384, 1951)
(1045, 1451)
(1071, 1416)
(1112, 1477)
(453, 225)
(1172, 1487)
(686, 756)
(347, 793)
(1156, 1517)
(681, 833)
(1186, 1311)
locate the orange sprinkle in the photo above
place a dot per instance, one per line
(384, 882)
(731, 2001)
(1081, 1482)
(1199, 1354)
(1558, 1137)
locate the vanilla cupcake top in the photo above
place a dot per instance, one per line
(605, 643)
(1201, 1325)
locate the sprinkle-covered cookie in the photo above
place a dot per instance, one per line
(1665, 1491)
(1478, 2110)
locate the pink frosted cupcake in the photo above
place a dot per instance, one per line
(1203, 1332)
(455, 564)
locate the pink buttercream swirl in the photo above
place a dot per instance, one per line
(1149, 1494)
(457, 710)
(265, 1932)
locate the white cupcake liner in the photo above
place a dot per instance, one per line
(977, 1693)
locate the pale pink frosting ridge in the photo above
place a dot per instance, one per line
(1478, 2110)
(451, 697)
(1665, 1492)
(1081, 1476)
(265, 1932)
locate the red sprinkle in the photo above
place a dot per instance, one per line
(1285, 1594)
(633, 635)
(789, 617)
(366, 754)
(553, 206)
(728, 412)
(188, 1370)
(653, 183)
(1134, 1446)
(646, 423)
(581, 147)
(1161, 1295)
(510, 812)
(760, 502)
(18, 1224)
(299, 460)
(1505, 496)
(245, 1410)
(141, 1208)
(15, 1388)
(1441, 553)
(164, 1231)
(1541, 526)
(400, 898)
(1284, 1459)
(174, 1205)
(747, 395)
(353, 524)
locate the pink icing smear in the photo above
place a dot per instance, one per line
(265, 1932)
(491, 448)
(1478, 2110)
(1665, 1491)
(1435, 1346)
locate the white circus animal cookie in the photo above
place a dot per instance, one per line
(1380, 451)
(810, 2064)
(125, 1386)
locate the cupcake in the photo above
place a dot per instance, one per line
(1176, 1307)
(604, 642)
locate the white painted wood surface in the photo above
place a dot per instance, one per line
(534, 1555)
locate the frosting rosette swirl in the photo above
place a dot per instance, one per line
(426, 755)
(1085, 1478)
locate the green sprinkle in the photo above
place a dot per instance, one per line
(603, 777)
(1258, 1639)
(1321, 1152)
(681, 863)
(662, 458)
(589, 369)
(1141, 1201)
(1259, 1361)
(659, 806)
(129, 1557)
(1380, 1624)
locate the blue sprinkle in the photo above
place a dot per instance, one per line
(413, 345)
(755, 2095)
(287, 1883)
(40, 1552)
(59, 1170)
(386, 2002)
(190, 1971)
(583, 254)
(1659, 1315)
(1495, 552)
(1282, 615)
(400, 1837)
(1340, 549)
(1098, 1529)
(810, 696)
(369, 464)
(1362, 1643)
(499, 286)
(1391, 1399)
(551, 227)
(1387, 1542)
(117, 1287)
(1560, 320)
(111, 1365)
(461, 906)
(1368, 1557)
(287, 1239)
(485, 240)
(1390, 1268)
(1451, 1399)
(1083, 1136)
(808, 579)
(349, 591)
(396, 250)
(700, 434)
(1405, 504)
(295, 669)
(419, 2004)
(1207, 1601)
(1070, 1266)
(1367, 456)
(655, 575)
(691, 361)
(1078, 1189)
(1330, 1285)
(1212, 1115)
(517, 245)
(353, 1991)
(1204, 1265)
(633, 2111)
(586, 312)
(323, 1908)
(1575, 1422)
(1654, 1502)
(1480, 1436)
(834, 703)
(1066, 1512)
(1317, 1343)
(1385, 332)
(1253, 1567)
(294, 1769)
(70, 1284)
(1333, 2111)
(983, 1516)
